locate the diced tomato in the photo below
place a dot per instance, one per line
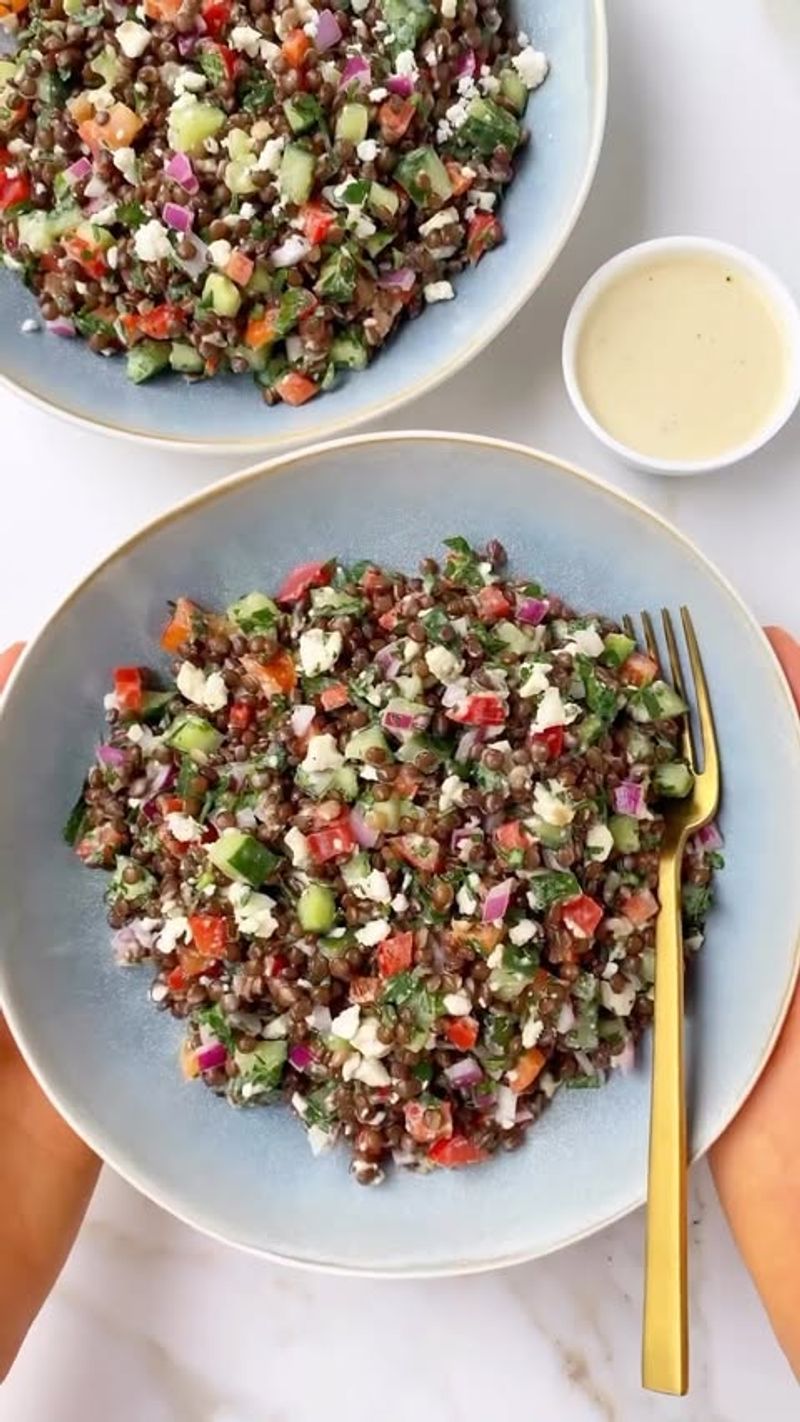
(239, 268)
(275, 965)
(426, 1124)
(228, 57)
(372, 579)
(527, 1068)
(88, 254)
(178, 630)
(14, 190)
(462, 1032)
(128, 688)
(296, 388)
(217, 15)
(640, 906)
(12, 7)
(176, 979)
(295, 47)
(209, 934)
(301, 579)
(333, 841)
(394, 117)
(364, 989)
(120, 130)
(512, 836)
(483, 233)
(552, 739)
(260, 331)
(241, 715)
(162, 322)
(316, 220)
(99, 847)
(389, 620)
(334, 696)
(169, 804)
(482, 708)
(460, 179)
(395, 954)
(493, 605)
(419, 850)
(406, 782)
(638, 670)
(163, 10)
(458, 1150)
(277, 677)
(582, 915)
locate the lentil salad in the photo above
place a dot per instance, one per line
(227, 184)
(391, 845)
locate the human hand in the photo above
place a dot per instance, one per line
(47, 1176)
(756, 1163)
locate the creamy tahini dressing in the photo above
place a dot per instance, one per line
(683, 358)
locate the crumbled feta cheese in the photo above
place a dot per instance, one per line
(319, 651)
(29, 325)
(551, 804)
(269, 159)
(449, 9)
(367, 150)
(374, 886)
(585, 642)
(254, 913)
(269, 51)
(277, 1028)
(209, 692)
(188, 81)
(378, 95)
(495, 958)
(409, 686)
(175, 929)
(322, 754)
(532, 1030)
(537, 681)
(183, 827)
(112, 257)
(367, 1042)
(372, 1073)
(466, 901)
(319, 1140)
(373, 932)
(347, 1023)
(406, 64)
(399, 903)
(443, 664)
(531, 66)
(297, 845)
(457, 1004)
(505, 1112)
(489, 84)
(550, 711)
(600, 841)
(522, 932)
(246, 212)
(151, 243)
(439, 219)
(620, 1003)
(245, 39)
(101, 98)
(300, 1104)
(438, 291)
(351, 1065)
(220, 252)
(451, 794)
(485, 201)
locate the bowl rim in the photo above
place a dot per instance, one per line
(77, 1117)
(328, 427)
(629, 258)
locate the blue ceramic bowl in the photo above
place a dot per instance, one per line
(108, 1060)
(567, 117)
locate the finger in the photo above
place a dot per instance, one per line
(8, 660)
(787, 650)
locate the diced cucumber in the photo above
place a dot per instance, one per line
(673, 779)
(261, 282)
(352, 123)
(93, 235)
(618, 649)
(154, 704)
(549, 886)
(302, 112)
(407, 22)
(488, 127)
(316, 909)
(338, 274)
(551, 836)
(639, 745)
(8, 68)
(411, 750)
(39, 230)
(193, 735)
(349, 350)
(321, 783)
(383, 201)
(120, 888)
(334, 602)
(221, 294)
(513, 89)
(146, 360)
(239, 177)
(658, 702)
(384, 816)
(355, 868)
(625, 833)
(254, 613)
(377, 243)
(185, 359)
(189, 127)
(371, 738)
(241, 856)
(589, 730)
(345, 781)
(265, 1063)
(422, 174)
(296, 175)
(239, 144)
(514, 638)
(108, 65)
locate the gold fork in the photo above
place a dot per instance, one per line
(665, 1342)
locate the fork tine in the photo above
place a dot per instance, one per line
(650, 638)
(705, 714)
(687, 739)
(628, 627)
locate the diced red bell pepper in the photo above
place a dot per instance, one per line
(176, 980)
(638, 670)
(302, 579)
(640, 906)
(582, 915)
(483, 233)
(552, 739)
(181, 625)
(277, 677)
(333, 697)
(418, 850)
(192, 963)
(333, 841)
(426, 1124)
(493, 605)
(462, 1032)
(162, 322)
(395, 954)
(128, 688)
(316, 220)
(456, 1151)
(482, 708)
(209, 934)
(13, 191)
(229, 59)
(240, 715)
(526, 1070)
(389, 620)
(89, 255)
(512, 836)
(239, 268)
(217, 16)
(295, 47)
(296, 388)
(261, 331)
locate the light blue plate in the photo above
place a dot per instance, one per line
(566, 116)
(108, 1060)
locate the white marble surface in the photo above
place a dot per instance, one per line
(153, 1323)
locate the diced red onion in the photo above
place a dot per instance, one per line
(400, 84)
(321, 1019)
(356, 71)
(453, 695)
(211, 1056)
(485, 1099)
(187, 45)
(400, 280)
(469, 743)
(464, 1073)
(402, 721)
(112, 756)
(290, 252)
(328, 31)
(126, 948)
(460, 833)
(238, 772)
(467, 64)
(495, 905)
(301, 719)
(566, 1018)
(157, 779)
(245, 818)
(180, 170)
(178, 217)
(301, 1056)
(194, 265)
(78, 170)
(366, 836)
(532, 610)
(61, 326)
(388, 663)
(709, 837)
(629, 799)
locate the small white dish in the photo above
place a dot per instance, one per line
(772, 288)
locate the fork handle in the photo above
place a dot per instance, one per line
(665, 1343)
